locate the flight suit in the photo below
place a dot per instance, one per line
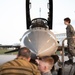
(47, 73)
(19, 67)
(70, 41)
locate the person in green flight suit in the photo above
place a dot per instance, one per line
(70, 33)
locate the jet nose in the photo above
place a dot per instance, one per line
(41, 42)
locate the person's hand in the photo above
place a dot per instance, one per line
(74, 37)
(37, 61)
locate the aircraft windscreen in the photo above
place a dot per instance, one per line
(39, 8)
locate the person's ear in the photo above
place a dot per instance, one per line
(29, 59)
(51, 66)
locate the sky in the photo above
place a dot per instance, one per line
(13, 18)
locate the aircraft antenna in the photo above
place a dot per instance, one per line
(40, 12)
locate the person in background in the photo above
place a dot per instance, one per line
(70, 33)
(45, 65)
(21, 65)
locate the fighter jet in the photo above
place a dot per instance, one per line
(39, 38)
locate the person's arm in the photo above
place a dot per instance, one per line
(72, 30)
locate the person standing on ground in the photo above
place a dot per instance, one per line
(70, 33)
(21, 65)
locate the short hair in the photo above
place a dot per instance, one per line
(25, 52)
(67, 20)
(48, 59)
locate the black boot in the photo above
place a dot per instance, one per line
(70, 61)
